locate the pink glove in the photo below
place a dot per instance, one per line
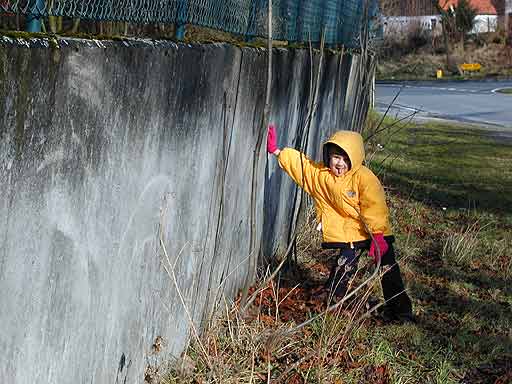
(271, 139)
(378, 240)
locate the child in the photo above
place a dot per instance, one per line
(350, 204)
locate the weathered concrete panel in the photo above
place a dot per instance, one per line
(100, 143)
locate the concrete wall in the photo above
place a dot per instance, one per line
(101, 143)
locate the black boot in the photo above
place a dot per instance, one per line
(398, 304)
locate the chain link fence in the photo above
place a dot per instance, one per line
(293, 20)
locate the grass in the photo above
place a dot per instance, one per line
(506, 91)
(449, 193)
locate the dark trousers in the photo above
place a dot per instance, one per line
(397, 301)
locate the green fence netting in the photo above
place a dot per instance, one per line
(293, 20)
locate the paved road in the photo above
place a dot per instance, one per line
(464, 101)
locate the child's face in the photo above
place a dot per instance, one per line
(339, 164)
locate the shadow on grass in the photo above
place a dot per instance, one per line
(450, 193)
(460, 314)
(466, 312)
(450, 166)
(462, 325)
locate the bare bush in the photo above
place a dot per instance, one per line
(404, 38)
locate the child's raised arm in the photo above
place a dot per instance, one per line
(297, 165)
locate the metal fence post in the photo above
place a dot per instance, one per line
(181, 19)
(33, 23)
(251, 21)
(180, 31)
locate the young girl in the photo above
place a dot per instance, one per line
(350, 204)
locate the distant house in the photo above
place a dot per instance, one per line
(487, 13)
(401, 16)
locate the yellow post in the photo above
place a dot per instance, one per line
(439, 74)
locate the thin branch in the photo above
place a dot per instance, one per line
(265, 282)
(172, 274)
(337, 305)
(256, 157)
(409, 116)
(387, 111)
(312, 107)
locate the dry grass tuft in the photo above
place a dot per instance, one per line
(462, 246)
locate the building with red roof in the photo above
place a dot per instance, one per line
(487, 13)
(483, 7)
(404, 13)
(500, 8)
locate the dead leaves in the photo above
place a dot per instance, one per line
(286, 304)
(497, 372)
(377, 375)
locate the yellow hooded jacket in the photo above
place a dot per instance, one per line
(344, 203)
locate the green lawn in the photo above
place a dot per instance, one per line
(449, 166)
(450, 190)
(507, 91)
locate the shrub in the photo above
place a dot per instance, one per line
(497, 39)
(401, 42)
(465, 16)
(417, 36)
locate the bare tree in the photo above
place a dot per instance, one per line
(447, 23)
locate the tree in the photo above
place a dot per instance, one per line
(465, 18)
(447, 24)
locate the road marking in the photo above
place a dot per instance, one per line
(496, 90)
(409, 108)
(400, 106)
(480, 91)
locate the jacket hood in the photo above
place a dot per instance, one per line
(352, 143)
